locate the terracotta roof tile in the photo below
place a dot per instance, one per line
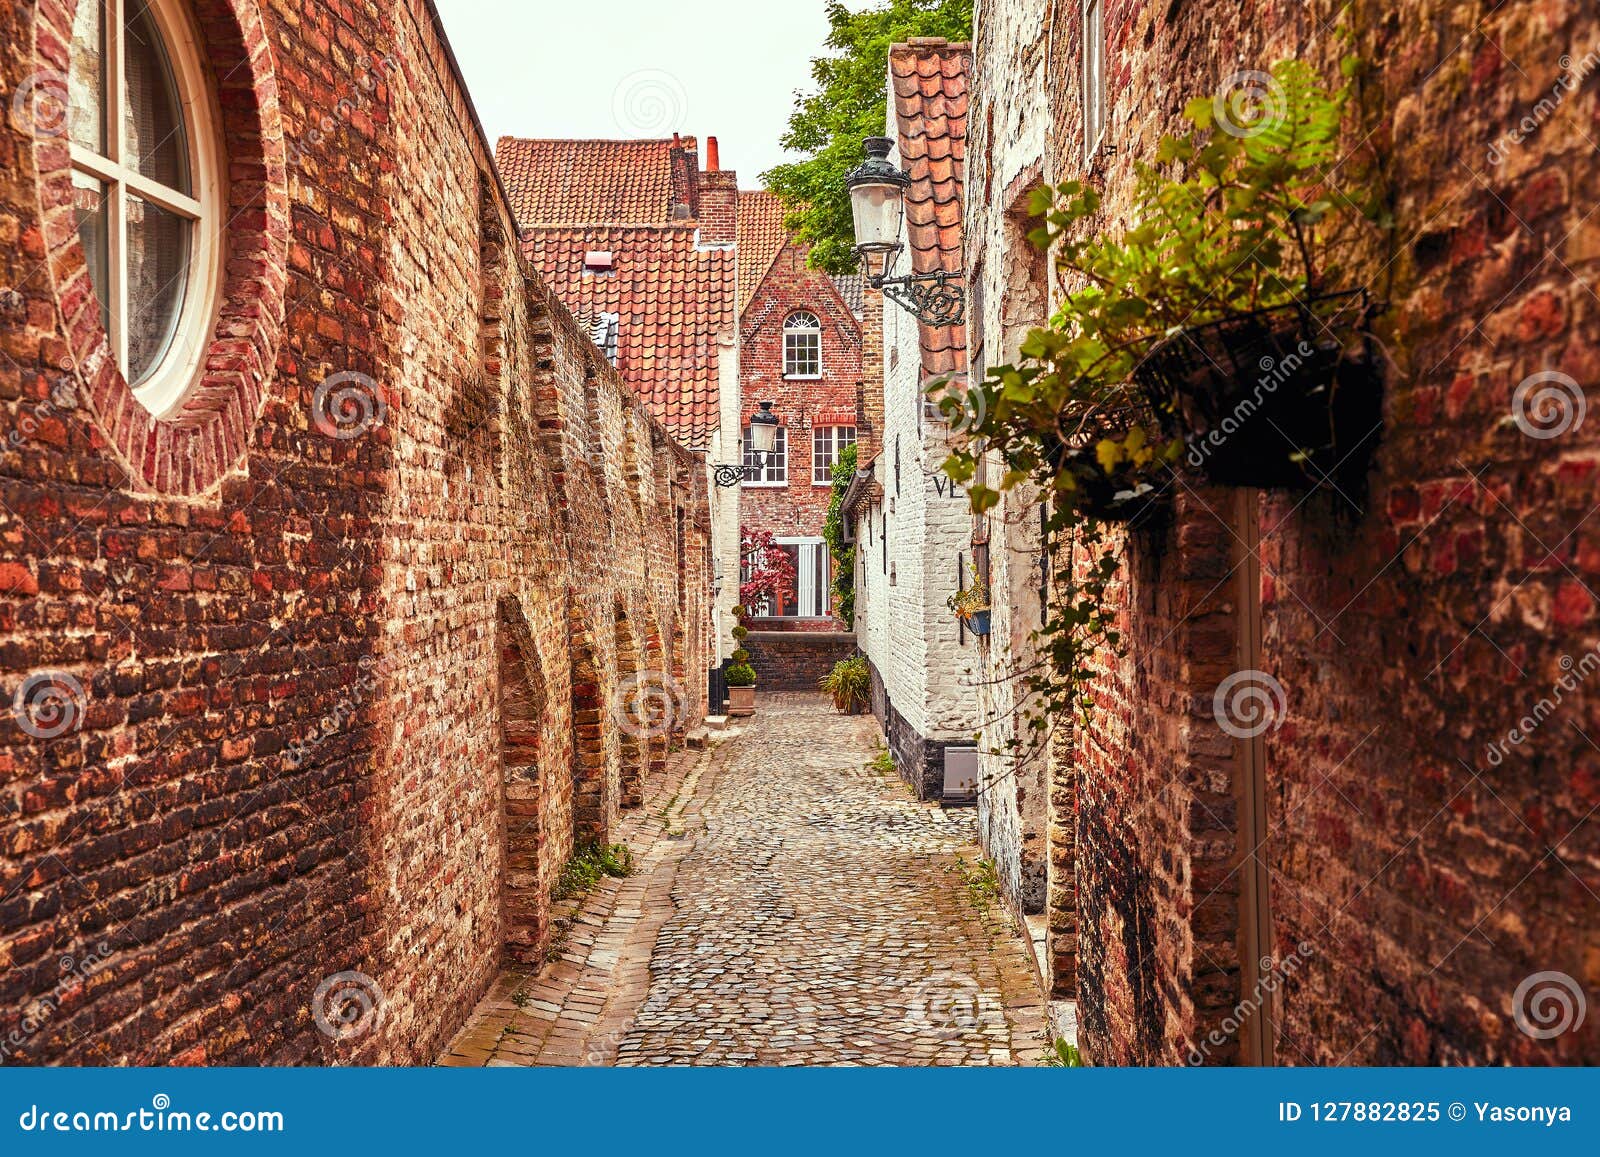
(671, 299)
(559, 182)
(929, 81)
(761, 236)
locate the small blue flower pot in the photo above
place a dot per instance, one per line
(978, 623)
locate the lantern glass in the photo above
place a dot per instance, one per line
(764, 433)
(877, 207)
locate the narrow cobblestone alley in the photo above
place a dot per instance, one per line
(790, 905)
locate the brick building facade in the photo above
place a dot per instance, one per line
(318, 677)
(800, 349)
(1386, 872)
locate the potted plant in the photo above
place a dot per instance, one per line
(1274, 398)
(741, 680)
(849, 684)
(740, 676)
(972, 605)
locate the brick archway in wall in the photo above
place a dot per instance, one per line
(635, 733)
(595, 754)
(524, 781)
(656, 661)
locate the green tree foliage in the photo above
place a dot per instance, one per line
(850, 102)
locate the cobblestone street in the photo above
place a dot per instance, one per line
(790, 905)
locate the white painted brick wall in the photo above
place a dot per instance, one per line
(1006, 129)
(906, 629)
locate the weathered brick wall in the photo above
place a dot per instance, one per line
(326, 720)
(1419, 873)
(795, 660)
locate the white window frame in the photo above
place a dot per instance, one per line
(813, 555)
(827, 443)
(162, 389)
(1094, 78)
(796, 327)
(774, 472)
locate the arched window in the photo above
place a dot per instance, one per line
(802, 346)
(146, 183)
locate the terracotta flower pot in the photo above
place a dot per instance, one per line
(741, 701)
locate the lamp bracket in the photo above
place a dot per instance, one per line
(935, 299)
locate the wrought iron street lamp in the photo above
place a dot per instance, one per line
(763, 441)
(877, 206)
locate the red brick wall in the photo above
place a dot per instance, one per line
(796, 660)
(799, 508)
(296, 748)
(1426, 880)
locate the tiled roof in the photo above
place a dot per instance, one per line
(559, 182)
(928, 77)
(672, 298)
(852, 288)
(761, 238)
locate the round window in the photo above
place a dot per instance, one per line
(145, 188)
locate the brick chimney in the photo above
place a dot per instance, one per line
(719, 200)
(685, 158)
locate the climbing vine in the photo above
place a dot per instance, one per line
(843, 553)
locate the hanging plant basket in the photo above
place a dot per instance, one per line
(1279, 398)
(1125, 495)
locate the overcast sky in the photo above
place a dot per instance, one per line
(640, 68)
